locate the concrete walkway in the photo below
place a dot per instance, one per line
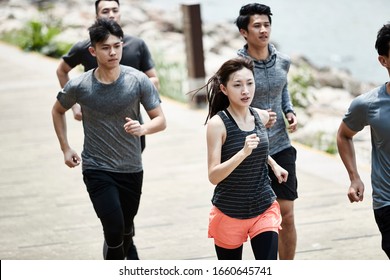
(45, 212)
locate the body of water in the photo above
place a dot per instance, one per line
(336, 33)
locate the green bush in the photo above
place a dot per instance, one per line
(171, 76)
(323, 141)
(299, 84)
(38, 36)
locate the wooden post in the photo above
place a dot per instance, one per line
(193, 35)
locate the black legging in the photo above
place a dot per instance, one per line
(115, 197)
(264, 247)
(116, 242)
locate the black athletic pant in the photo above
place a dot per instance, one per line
(115, 198)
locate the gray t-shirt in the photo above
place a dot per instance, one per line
(373, 109)
(104, 108)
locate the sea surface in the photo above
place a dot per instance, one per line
(335, 33)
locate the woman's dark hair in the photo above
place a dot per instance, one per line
(382, 44)
(249, 10)
(216, 99)
(102, 29)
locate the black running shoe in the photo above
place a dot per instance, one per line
(132, 253)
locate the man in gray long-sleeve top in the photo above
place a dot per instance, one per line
(271, 68)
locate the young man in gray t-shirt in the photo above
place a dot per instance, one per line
(110, 96)
(271, 78)
(135, 54)
(373, 109)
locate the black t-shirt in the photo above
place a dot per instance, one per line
(135, 54)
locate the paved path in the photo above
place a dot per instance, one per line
(45, 212)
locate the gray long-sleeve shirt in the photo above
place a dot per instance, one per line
(272, 93)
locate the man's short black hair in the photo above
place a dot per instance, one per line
(249, 10)
(382, 44)
(102, 29)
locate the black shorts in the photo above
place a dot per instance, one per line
(289, 189)
(143, 142)
(109, 191)
(382, 218)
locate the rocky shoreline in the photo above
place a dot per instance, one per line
(329, 94)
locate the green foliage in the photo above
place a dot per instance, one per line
(171, 76)
(299, 84)
(299, 88)
(327, 143)
(322, 141)
(38, 36)
(332, 149)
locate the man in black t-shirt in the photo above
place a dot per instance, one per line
(135, 52)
